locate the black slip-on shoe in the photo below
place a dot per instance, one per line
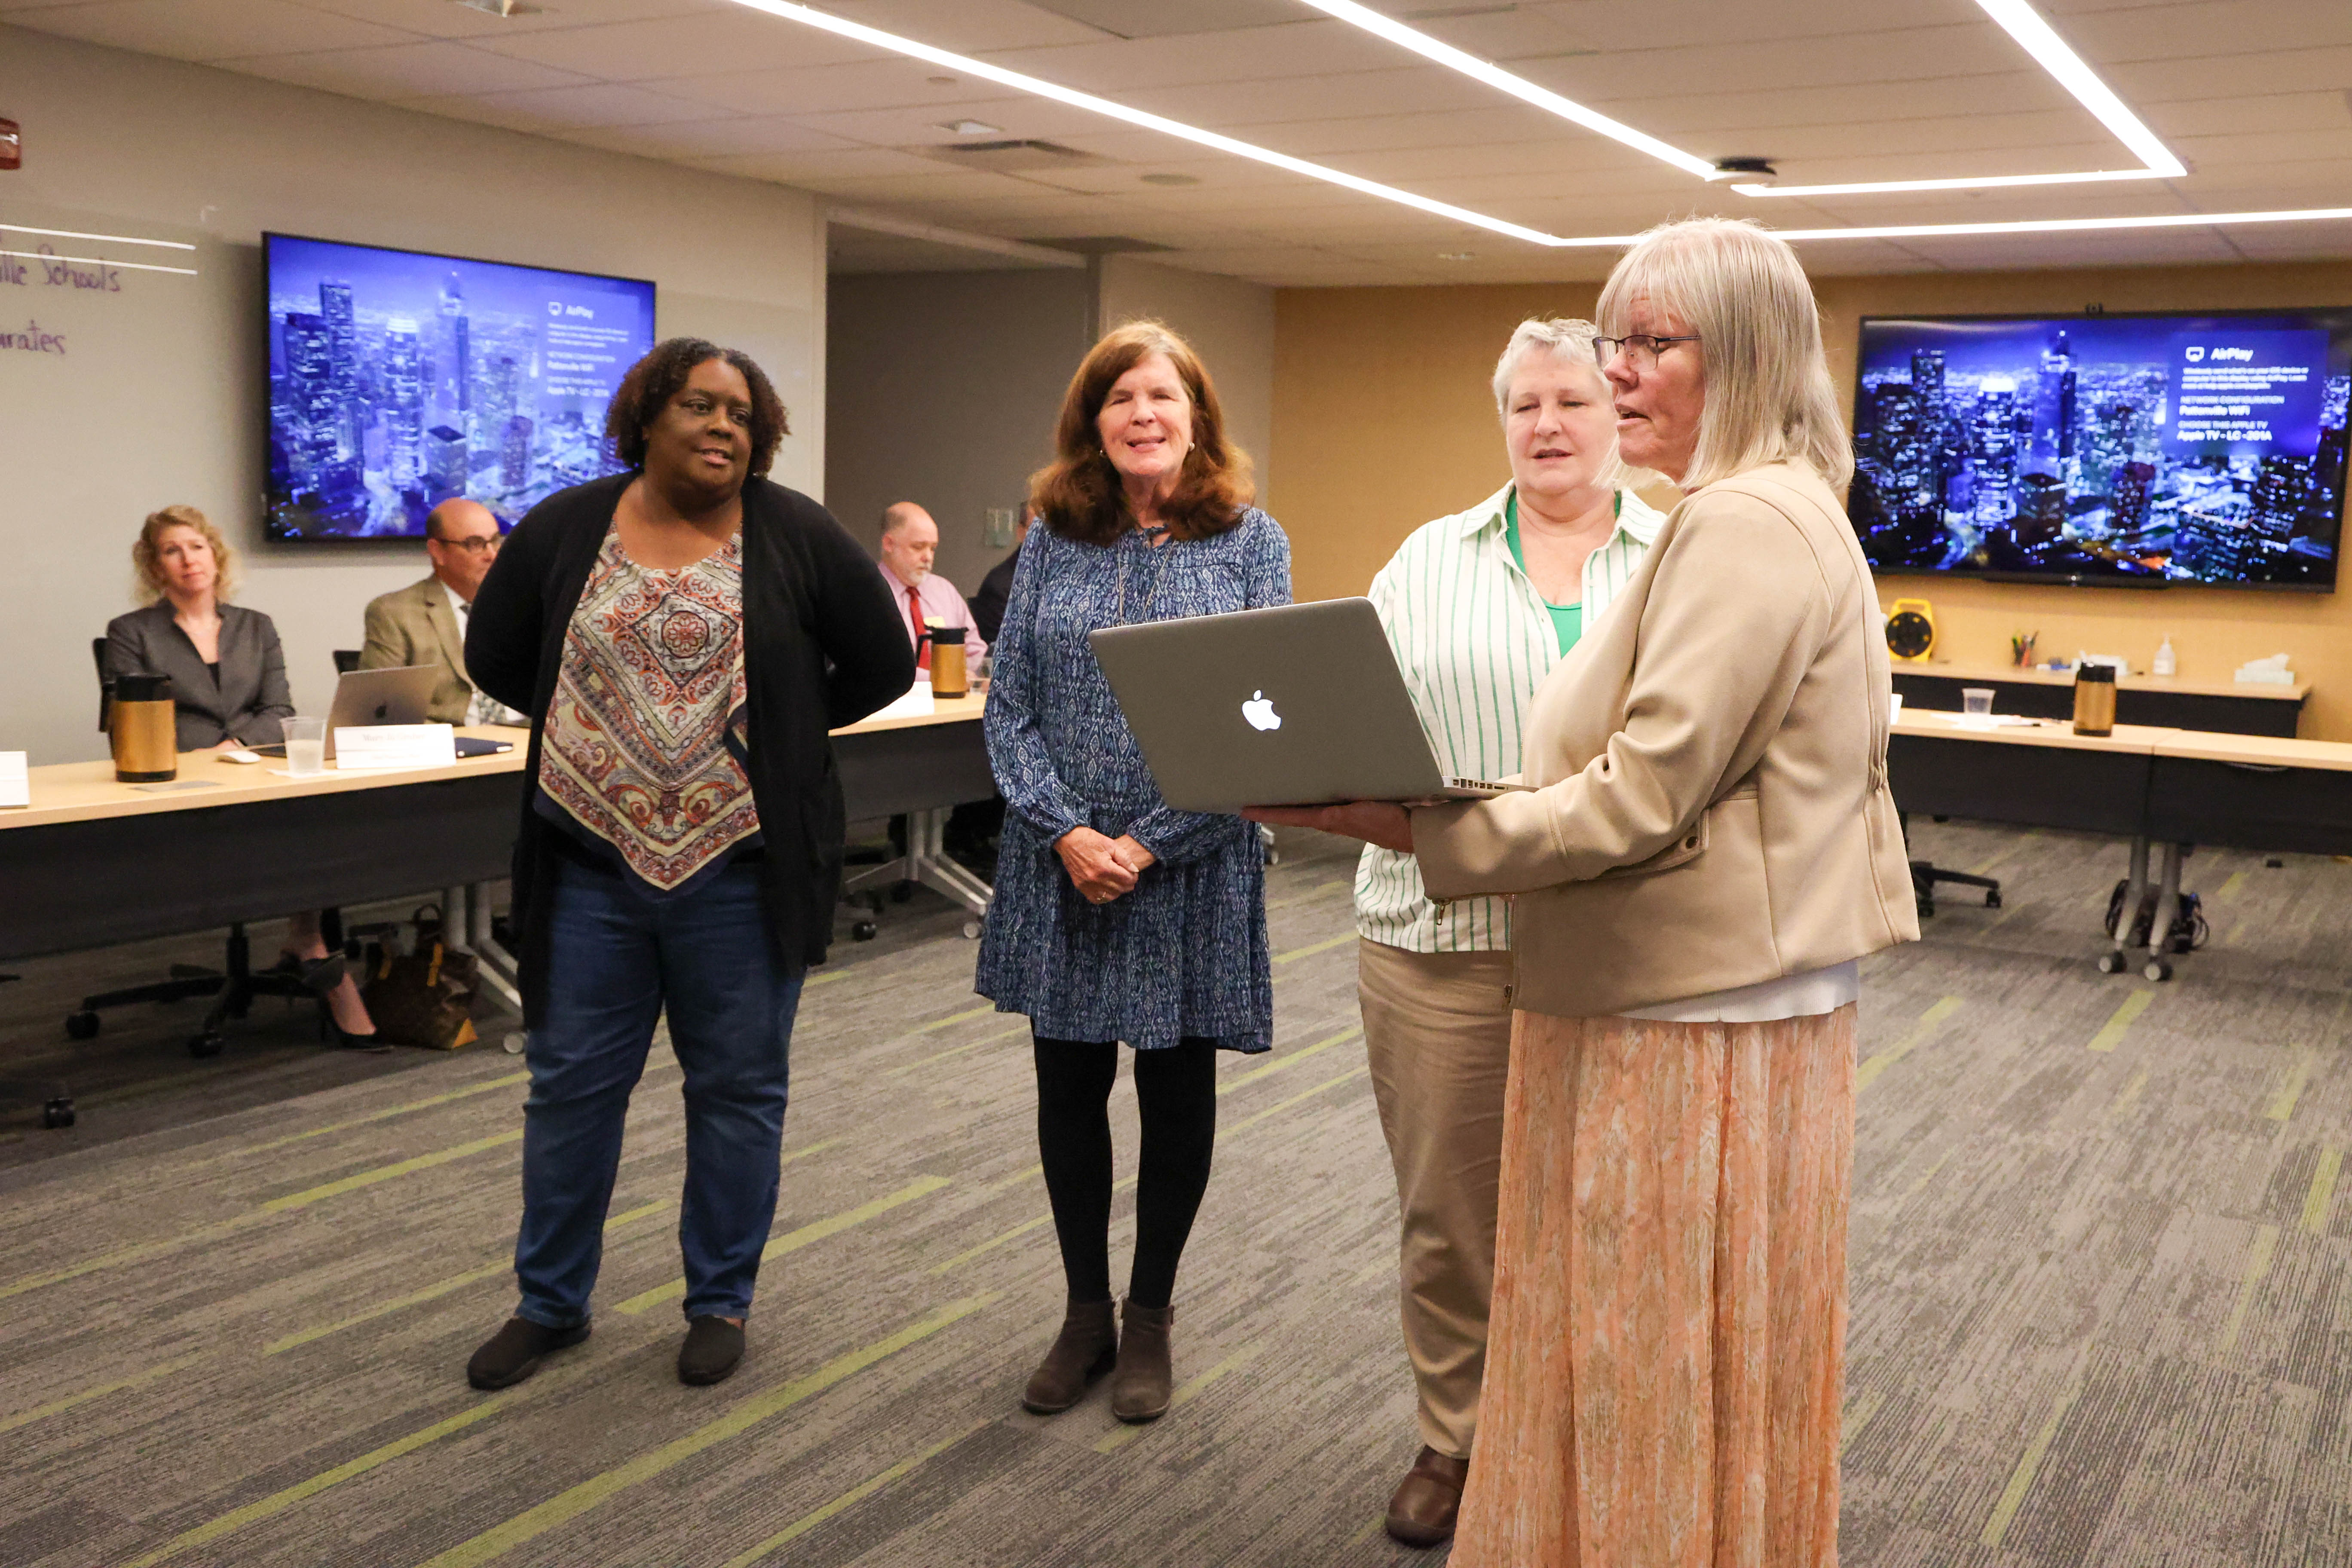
(513, 1352)
(713, 1347)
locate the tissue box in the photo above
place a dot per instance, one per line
(2270, 671)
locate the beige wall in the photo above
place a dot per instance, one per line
(1230, 324)
(163, 395)
(1383, 421)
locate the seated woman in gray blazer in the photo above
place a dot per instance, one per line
(228, 683)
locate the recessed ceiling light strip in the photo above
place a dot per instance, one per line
(2025, 24)
(2051, 52)
(1991, 182)
(1519, 86)
(110, 238)
(843, 28)
(2034, 225)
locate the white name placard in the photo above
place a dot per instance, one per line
(366, 747)
(15, 783)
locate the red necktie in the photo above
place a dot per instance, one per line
(922, 642)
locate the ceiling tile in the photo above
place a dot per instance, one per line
(1120, 69)
(448, 19)
(730, 40)
(2235, 75)
(406, 70)
(557, 109)
(207, 29)
(879, 82)
(697, 140)
(2204, 31)
(970, 26)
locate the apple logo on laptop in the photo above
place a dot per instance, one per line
(1260, 712)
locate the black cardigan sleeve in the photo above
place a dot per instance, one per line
(869, 661)
(503, 631)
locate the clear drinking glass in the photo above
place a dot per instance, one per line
(306, 747)
(1976, 700)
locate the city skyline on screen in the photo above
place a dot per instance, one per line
(399, 379)
(2148, 449)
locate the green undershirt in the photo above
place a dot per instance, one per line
(1567, 620)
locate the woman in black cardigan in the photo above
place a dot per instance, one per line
(683, 635)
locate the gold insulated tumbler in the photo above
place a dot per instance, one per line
(948, 677)
(2095, 699)
(142, 726)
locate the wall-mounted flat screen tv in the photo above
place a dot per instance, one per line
(399, 379)
(2141, 450)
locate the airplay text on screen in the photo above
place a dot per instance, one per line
(2247, 393)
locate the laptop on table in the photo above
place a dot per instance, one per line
(400, 695)
(1297, 705)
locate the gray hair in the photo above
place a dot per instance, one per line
(1569, 338)
(1741, 288)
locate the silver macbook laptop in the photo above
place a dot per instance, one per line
(1299, 705)
(401, 695)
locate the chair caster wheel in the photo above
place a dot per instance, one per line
(863, 930)
(901, 892)
(514, 1042)
(57, 1112)
(82, 1025)
(971, 931)
(1993, 899)
(209, 1043)
(2110, 963)
(2158, 969)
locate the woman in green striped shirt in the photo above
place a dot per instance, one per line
(1479, 606)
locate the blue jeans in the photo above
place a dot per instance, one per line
(619, 957)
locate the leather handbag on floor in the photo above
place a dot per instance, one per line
(425, 997)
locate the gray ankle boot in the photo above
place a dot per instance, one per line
(1145, 1380)
(1086, 1348)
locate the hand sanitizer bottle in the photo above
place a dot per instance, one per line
(2164, 664)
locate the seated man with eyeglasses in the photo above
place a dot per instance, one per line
(425, 623)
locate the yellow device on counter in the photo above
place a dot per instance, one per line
(1911, 630)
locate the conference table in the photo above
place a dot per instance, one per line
(93, 862)
(2152, 785)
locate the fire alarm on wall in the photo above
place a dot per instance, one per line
(12, 145)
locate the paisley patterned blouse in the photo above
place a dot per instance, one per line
(1183, 955)
(642, 747)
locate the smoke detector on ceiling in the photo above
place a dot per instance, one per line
(1749, 171)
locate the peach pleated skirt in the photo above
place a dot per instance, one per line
(1667, 1354)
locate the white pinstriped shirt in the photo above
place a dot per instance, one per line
(1473, 638)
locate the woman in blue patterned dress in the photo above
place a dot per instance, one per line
(1116, 918)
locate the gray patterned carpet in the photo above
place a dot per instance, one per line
(2099, 1271)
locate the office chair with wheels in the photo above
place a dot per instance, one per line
(57, 1100)
(233, 986)
(1926, 874)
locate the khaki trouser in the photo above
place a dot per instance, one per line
(1437, 1028)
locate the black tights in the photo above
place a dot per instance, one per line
(1176, 1091)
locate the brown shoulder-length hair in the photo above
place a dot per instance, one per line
(654, 380)
(1078, 493)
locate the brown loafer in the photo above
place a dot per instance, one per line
(1427, 1501)
(1144, 1379)
(1085, 1349)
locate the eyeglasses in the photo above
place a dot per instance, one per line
(1641, 350)
(485, 544)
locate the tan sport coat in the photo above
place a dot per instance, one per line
(1712, 808)
(415, 626)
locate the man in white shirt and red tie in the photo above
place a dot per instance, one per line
(909, 539)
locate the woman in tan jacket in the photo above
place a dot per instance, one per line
(1708, 846)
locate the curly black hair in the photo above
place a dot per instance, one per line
(654, 380)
